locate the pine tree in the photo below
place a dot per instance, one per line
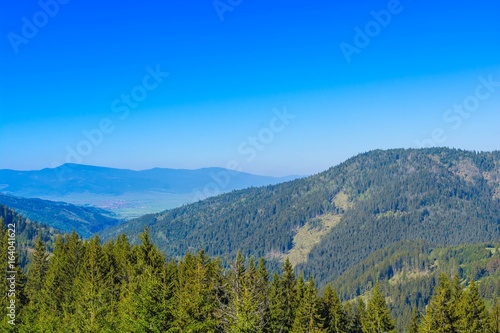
(195, 296)
(308, 318)
(59, 293)
(111, 253)
(288, 288)
(378, 318)
(440, 316)
(473, 315)
(355, 314)
(37, 271)
(92, 287)
(495, 316)
(150, 301)
(333, 312)
(262, 295)
(276, 305)
(283, 300)
(241, 313)
(300, 289)
(457, 295)
(415, 322)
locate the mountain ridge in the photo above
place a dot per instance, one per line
(441, 195)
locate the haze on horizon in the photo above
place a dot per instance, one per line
(275, 88)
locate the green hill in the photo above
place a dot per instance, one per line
(330, 222)
(409, 271)
(26, 233)
(85, 220)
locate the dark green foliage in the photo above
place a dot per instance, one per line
(377, 318)
(86, 286)
(495, 317)
(308, 311)
(442, 196)
(473, 317)
(283, 300)
(415, 268)
(26, 233)
(37, 272)
(335, 318)
(441, 313)
(85, 220)
(415, 322)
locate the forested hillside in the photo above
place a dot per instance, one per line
(329, 222)
(408, 272)
(26, 233)
(61, 215)
(89, 287)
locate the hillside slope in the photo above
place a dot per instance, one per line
(408, 272)
(331, 221)
(61, 215)
(26, 233)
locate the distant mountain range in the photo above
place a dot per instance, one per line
(128, 193)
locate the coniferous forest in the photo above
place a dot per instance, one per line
(390, 241)
(231, 166)
(87, 286)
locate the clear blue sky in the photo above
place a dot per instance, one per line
(68, 69)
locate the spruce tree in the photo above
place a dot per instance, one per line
(241, 315)
(288, 288)
(262, 294)
(495, 316)
(355, 314)
(415, 321)
(92, 287)
(308, 317)
(37, 271)
(378, 318)
(440, 316)
(150, 304)
(276, 305)
(300, 289)
(335, 319)
(54, 291)
(195, 296)
(473, 315)
(283, 300)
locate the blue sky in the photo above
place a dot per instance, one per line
(86, 81)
